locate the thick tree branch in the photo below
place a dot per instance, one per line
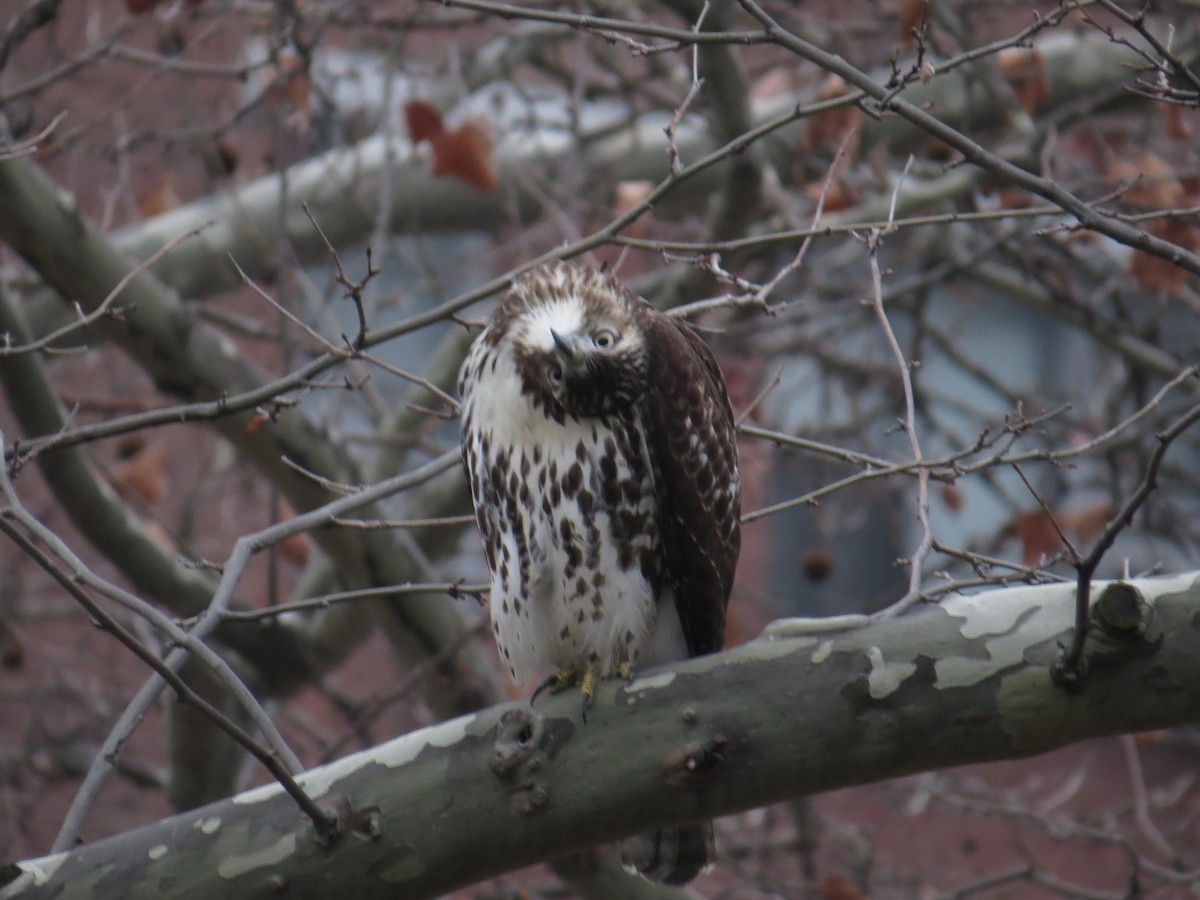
(802, 709)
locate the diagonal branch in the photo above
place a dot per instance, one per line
(964, 681)
(892, 100)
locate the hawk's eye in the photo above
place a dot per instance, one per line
(555, 373)
(605, 338)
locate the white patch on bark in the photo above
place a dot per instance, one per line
(1011, 619)
(233, 866)
(43, 869)
(317, 782)
(648, 683)
(405, 749)
(209, 825)
(798, 626)
(1005, 621)
(886, 677)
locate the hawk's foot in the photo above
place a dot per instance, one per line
(587, 687)
(587, 679)
(558, 682)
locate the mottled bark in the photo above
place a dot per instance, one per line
(804, 708)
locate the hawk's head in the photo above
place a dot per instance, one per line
(576, 339)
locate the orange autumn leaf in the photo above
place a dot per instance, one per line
(1154, 272)
(1024, 69)
(294, 549)
(830, 127)
(1152, 182)
(1088, 523)
(629, 195)
(1038, 537)
(144, 471)
(159, 198)
(839, 195)
(466, 154)
(259, 420)
(423, 120)
(1014, 198)
(288, 80)
(1175, 122)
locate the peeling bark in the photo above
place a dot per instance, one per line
(799, 710)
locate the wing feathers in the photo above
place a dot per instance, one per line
(692, 440)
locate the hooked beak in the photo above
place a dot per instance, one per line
(568, 348)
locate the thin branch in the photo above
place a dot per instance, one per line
(354, 289)
(325, 822)
(890, 100)
(452, 589)
(917, 561)
(105, 306)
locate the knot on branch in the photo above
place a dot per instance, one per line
(1120, 610)
(695, 764)
(523, 746)
(1117, 626)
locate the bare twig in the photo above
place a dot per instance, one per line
(450, 588)
(891, 101)
(276, 761)
(354, 289)
(917, 561)
(105, 308)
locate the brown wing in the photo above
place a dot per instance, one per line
(693, 445)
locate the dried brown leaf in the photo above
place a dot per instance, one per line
(1025, 70)
(465, 153)
(424, 121)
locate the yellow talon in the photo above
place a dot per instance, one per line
(586, 679)
(587, 686)
(557, 682)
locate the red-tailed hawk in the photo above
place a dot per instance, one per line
(600, 445)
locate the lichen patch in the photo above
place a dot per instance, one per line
(272, 855)
(886, 677)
